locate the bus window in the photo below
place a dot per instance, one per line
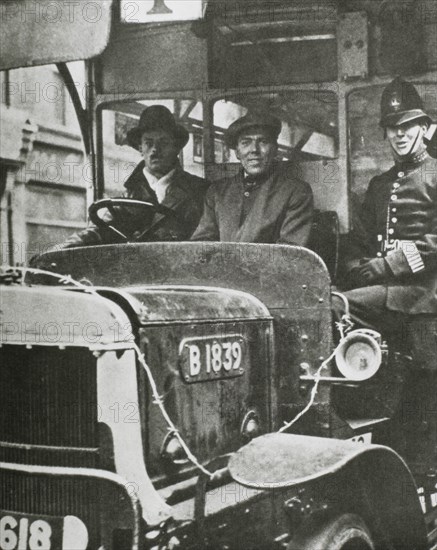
(309, 121)
(370, 154)
(309, 135)
(119, 158)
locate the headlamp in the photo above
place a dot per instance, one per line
(359, 356)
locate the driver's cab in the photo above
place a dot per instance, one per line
(319, 68)
(213, 74)
(308, 143)
(321, 72)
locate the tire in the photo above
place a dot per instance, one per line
(345, 532)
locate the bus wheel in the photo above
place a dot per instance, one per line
(345, 532)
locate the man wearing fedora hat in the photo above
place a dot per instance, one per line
(391, 264)
(264, 202)
(159, 179)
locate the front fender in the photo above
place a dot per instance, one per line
(280, 461)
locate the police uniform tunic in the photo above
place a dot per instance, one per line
(399, 219)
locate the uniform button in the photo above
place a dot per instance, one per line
(396, 185)
(393, 209)
(394, 220)
(391, 241)
(246, 194)
(379, 254)
(391, 231)
(401, 174)
(394, 197)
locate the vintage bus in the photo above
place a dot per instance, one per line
(162, 395)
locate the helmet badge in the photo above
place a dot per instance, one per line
(395, 104)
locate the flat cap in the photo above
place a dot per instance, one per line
(252, 120)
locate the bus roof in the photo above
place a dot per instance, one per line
(39, 32)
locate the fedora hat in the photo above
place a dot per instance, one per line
(401, 103)
(157, 117)
(252, 120)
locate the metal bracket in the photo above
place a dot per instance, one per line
(353, 45)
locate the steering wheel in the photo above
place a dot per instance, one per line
(115, 207)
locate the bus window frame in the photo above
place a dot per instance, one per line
(208, 97)
(103, 102)
(333, 86)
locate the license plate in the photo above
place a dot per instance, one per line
(31, 532)
(212, 357)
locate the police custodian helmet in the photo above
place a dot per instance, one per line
(400, 103)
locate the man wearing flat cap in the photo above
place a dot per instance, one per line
(391, 265)
(263, 203)
(159, 179)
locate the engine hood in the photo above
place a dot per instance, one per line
(181, 304)
(56, 316)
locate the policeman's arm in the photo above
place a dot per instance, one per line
(296, 226)
(416, 257)
(207, 230)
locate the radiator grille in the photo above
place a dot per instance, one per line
(48, 397)
(102, 505)
(50, 456)
(49, 495)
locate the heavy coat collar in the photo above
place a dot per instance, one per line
(180, 187)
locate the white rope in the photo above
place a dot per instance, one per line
(310, 403)
(157, 399)
(345, 324)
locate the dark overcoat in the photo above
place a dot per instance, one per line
(278, 210)
(398, 221)
(185, 196)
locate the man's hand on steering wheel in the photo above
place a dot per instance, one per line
(117, 209)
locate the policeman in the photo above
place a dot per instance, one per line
(391, 263)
